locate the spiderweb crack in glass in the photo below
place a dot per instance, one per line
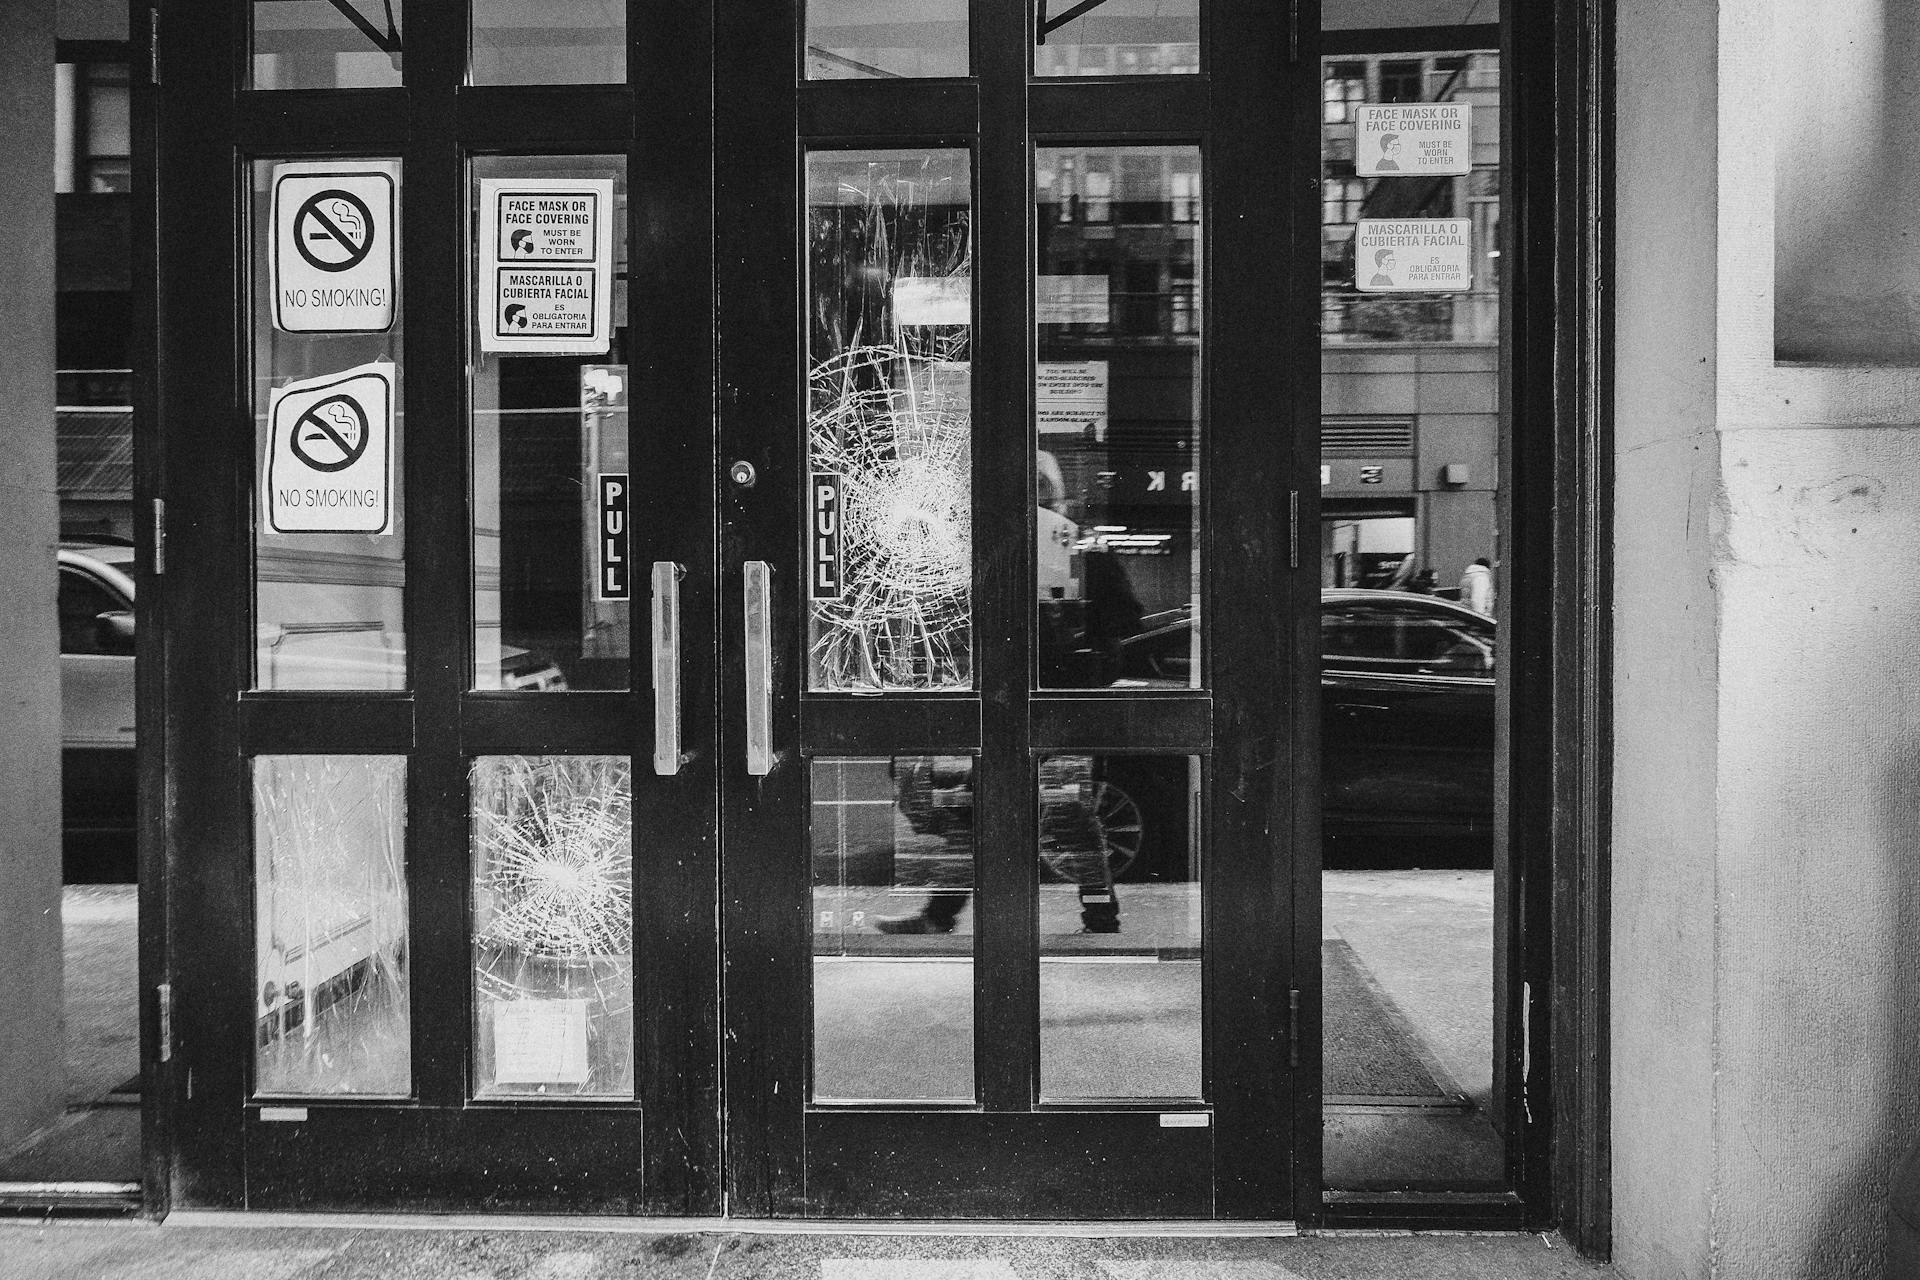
(906, 536)
(558, 859)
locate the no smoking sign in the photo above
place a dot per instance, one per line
(332, 260)
(329, 466)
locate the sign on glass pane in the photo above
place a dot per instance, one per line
(1419, 138)
(890, 420)
(333, 253)
(330, 453)
(546, 250)
(1417, 255)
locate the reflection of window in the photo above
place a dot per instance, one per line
(1344, 89)
(93, 138)
(1186, 196)
(1098, 205)
(1340, 199)
(1400, 81)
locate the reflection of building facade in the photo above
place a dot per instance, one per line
(1410, 386)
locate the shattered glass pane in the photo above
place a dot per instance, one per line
(553, 926)
(331, 909)
(890, 420)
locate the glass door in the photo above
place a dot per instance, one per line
(442, 833)
(1009, 599)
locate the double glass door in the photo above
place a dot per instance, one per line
(734, 609)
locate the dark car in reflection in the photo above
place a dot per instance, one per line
(1407, 749)
(1406, 723)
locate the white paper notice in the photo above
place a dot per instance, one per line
(1070, 299)
(1419, 138)
(329, 464)
(1070, 396)
(933, 300)
(540, 1042)
(1417, 255)
(546, 265)
(333, 259)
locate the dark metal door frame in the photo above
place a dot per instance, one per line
(195, 863)
(439, 1150)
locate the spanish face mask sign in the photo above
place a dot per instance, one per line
(1413, 255)
(546, 265)
(1415, 138)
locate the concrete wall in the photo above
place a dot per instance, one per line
(1767, 782)
(30, 1062)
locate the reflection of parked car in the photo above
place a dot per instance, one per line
(1406, 723)
(97, 704)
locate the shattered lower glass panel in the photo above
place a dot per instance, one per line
(890, 420)
(330, 897)
(553, 926)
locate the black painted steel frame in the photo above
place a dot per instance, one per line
(196, 431)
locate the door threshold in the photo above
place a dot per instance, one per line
(228, 1218)
(73, 1199)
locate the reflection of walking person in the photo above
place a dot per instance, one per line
(1383, 268)
(1476, 586)
(1073, 845)
(1389, 152)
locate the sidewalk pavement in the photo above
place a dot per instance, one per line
(361, 1249)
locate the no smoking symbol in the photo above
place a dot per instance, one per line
(333, 230)
(332, 435)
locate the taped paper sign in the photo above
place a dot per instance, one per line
(546, 269)
(329, 465)
(332, 258)
(933, 300)
(1418, 255)
(1420, 138)
(540, 1042)
(1070, 299)
(1070, 396)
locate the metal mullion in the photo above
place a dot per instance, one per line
(843, 107)
(1140, 107)
(334, 724)
(1006, 903)
(322, 121)
(900, 724)
(1181, 724)
(1259, 304)
(438, 557)
(535, 119)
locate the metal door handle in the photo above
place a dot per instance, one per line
(759, 638)
(666, 667)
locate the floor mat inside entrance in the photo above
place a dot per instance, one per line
(1371, 1052)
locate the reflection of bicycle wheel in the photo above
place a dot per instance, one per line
(1116, 828)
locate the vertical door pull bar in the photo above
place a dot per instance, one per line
(666, 667)
(759, 668)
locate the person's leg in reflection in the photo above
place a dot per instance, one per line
(937, 916)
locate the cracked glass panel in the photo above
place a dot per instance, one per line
(326, 44)
(1116, 38)
(553, 927)
(904, 39)
(893, 853)
(330, 910)
(889, 420)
